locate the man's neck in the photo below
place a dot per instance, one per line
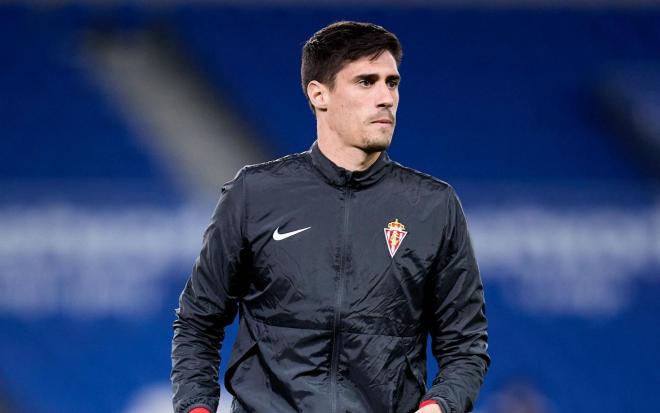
(347, 157)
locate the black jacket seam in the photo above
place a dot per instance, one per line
(259, 320)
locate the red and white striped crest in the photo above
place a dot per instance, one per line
(394, 235)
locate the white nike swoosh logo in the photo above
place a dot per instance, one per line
(279, 237)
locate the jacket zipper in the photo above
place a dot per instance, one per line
(334, 361)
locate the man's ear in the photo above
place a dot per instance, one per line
(318, 95)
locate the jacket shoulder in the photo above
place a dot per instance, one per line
(425, 180)
(275, 173)
(275, 164)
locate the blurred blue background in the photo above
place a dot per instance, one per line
(119, 122)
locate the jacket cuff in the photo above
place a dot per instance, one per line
(444, 406)
(199, 410)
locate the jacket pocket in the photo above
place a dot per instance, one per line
(410, 387)
(244, 348)
(412, 368)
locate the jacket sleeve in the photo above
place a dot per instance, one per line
(455, 313)
(209, 303)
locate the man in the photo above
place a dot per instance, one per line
(340, 261)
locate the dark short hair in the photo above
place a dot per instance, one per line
(332, 47)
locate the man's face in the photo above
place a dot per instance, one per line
(362, 104)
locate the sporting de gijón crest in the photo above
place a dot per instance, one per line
(394, 235)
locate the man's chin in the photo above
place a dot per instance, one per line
(376, 145)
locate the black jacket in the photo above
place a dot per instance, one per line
(333, 318)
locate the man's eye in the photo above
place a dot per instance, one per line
(365, 82)
(393, 84)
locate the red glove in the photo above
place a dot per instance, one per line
(422, 404)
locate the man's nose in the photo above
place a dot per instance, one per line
(385, 96)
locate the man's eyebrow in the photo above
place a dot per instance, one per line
(374, 77)
(366, 76)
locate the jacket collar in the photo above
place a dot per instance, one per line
(339, 176)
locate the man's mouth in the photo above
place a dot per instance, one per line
(386, 121)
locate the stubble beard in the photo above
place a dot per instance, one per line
(373, 144)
